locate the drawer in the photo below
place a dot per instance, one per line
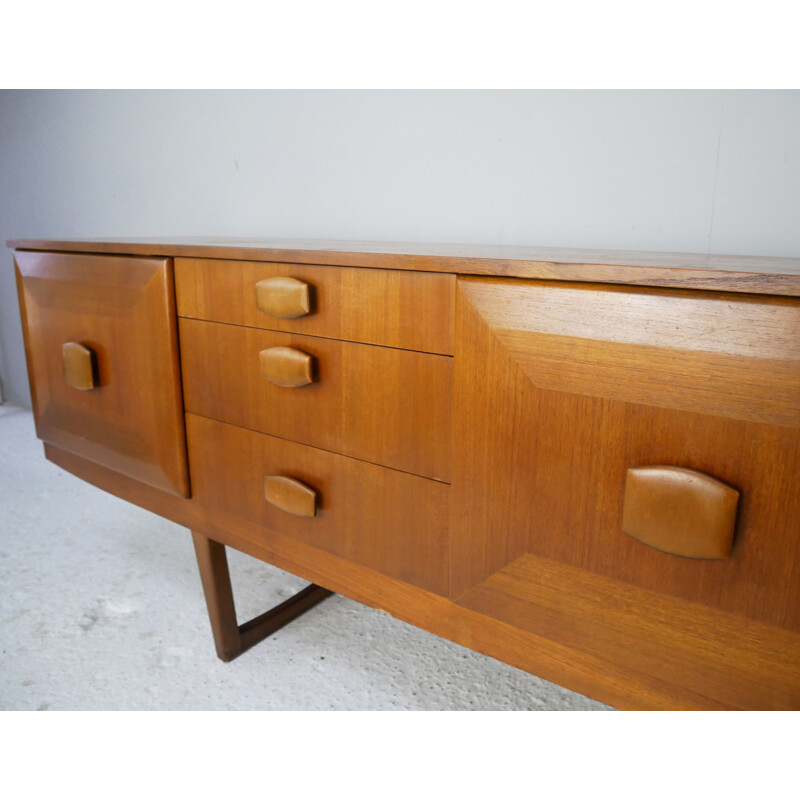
(101, 344)
(409, 310)
(387, 520)
(379, 404)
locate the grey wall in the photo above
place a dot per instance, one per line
(686, 171)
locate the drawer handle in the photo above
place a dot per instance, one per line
(80, 366)
(285, 366)
(283, 297)
(290, 495)
(680, 511)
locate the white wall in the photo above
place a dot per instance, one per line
(682, 171)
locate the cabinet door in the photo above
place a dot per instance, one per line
(101, 342)
(567, 398)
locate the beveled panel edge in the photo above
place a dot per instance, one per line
(714, 653)
(772, 400)
(746, 273)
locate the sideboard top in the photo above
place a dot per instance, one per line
(755, 274)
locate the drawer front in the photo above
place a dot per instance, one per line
(409, 310)
(380, 404)
(642, 447)
(101, 343)
(387, 520)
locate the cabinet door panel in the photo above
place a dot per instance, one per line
(560, 389)
(119, 311)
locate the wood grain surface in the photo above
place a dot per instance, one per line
(380, 404)
(727, 658)
(123, 310)
(547, 422)
(556, 391)
(410, 310)
(391, 521)
(733, 273)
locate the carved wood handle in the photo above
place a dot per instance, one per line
(680, 511)
(79, 366)
(283, 297)
(290, 495)
(285, 366)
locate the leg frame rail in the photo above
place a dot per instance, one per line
(230, 638)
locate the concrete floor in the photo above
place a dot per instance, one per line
(102, 608)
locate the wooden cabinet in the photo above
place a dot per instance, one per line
(584, 464)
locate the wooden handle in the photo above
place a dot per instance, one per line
(290, 495)
(285, 366)
(79, 366)
(283, 297)
(680, 511)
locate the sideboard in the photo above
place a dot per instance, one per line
(582, 463)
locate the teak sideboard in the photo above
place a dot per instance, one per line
(582, 463)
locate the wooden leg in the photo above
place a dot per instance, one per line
(230, 638)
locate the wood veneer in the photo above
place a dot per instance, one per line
(684, 644)
(551, 413)
(556, 390)
(390, 521)
(122, 309)
(379, 404)
(733, 273)
(410, 310)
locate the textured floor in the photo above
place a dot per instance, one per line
(102, 608)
